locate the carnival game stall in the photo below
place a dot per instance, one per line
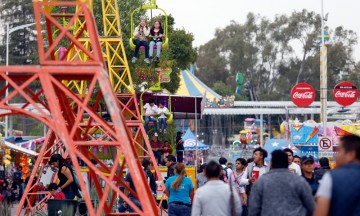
(190, 149)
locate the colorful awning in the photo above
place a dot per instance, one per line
(190, 85)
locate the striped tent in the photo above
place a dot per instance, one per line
(190, 85)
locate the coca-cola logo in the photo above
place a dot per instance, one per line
(348, 94)
(302, 94)
(345, 93)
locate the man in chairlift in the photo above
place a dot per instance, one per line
(141, 34)
(150, 110)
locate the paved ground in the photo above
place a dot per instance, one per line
(13, 210)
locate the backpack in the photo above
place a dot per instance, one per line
(225, 177)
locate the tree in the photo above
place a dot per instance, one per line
(267, 52)
(22, 43)
(222, 89)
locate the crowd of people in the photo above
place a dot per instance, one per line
(12, 186)
(284, 185)
(287, 185)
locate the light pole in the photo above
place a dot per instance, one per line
(323, 73)
(8, 32)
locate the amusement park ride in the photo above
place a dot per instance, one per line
(91, 77)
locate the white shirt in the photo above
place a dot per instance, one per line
(293, 167)
(325, 186)
(234, 181)
(150, 110)
(164, 111)
(213, 199)
(245, 178)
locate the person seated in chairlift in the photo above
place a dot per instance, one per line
(141, 34)
(156, 34)
(163, 112)
(150, 110)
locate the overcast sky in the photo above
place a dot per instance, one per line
(202, 17)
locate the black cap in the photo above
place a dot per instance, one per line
(179, 132)
(307, 158)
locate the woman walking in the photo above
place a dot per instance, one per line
(179, 189)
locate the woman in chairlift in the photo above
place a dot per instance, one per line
(156, 34)
(141, 34)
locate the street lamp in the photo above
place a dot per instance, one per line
(8, 32)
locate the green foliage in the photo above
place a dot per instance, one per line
(168, 136)
(222, 89)
(22, 43)
(181, 50)
(174, 83)
(38, 130)
(264, 50)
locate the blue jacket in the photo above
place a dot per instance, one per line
(345, 195)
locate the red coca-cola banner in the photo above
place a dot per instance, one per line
(302, 94)
(345, 93)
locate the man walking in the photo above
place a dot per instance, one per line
(339, 191)
(215, 197)
(179, 143)
(308, 166)
(324, 167)
(293, 167)
(227, 172)
(170, 162)
(281, 192)
(257, 168)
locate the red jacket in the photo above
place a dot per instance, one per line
(59, 196)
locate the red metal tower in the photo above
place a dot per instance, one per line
(63, 110)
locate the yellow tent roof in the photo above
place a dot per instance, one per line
(190, 85)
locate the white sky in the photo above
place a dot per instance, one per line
(202, 17)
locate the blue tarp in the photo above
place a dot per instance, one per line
(190, 141)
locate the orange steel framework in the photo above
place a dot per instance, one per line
(62, 109)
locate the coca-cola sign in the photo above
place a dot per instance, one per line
(302, 94)
(345, 93)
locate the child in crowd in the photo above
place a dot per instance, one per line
(156, 34)
(55, 192)
(162, 112)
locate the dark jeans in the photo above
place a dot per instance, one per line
(122, 207)
(69, 192)
(138, 45)
(162, 123)
(179, 210)
(179, 156)
(147, 120)
(157, 155)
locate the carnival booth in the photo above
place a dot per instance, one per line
(190, 149)
(16, 157)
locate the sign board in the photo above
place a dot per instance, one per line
(164, 74)
(325, 143)
(345, 93)
(325, 147)
(309, 149)
(327, 154)
(302, 94)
